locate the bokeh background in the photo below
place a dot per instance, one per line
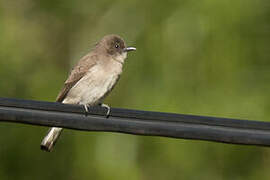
(194, 57)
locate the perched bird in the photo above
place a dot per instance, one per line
(92, 79)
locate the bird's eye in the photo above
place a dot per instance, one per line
(116, 45)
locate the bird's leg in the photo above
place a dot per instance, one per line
(107, 107)
(86, 109)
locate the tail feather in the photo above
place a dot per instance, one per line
(50, 139)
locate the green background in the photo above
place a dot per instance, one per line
(193, 57)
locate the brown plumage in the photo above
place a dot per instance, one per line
(91, 79)
(76, 74)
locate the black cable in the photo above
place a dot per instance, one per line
(135, 122)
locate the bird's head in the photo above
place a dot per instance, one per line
(115, 46)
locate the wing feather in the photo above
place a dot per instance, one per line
(76, 74)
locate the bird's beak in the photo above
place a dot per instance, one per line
(127, 49)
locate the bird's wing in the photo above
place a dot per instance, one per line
(76, 74)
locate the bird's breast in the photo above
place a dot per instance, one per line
(95, 84)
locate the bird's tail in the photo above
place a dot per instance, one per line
(50, 139)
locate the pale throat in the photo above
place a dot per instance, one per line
(120, 58)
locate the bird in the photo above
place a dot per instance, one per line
(91, 79)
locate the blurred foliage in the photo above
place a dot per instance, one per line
(197, 57)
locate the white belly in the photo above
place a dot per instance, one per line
(93, 87)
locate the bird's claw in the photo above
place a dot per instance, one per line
(86, 109)
(108, 109)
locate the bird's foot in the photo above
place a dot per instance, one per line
(108, 109)
(86, 109)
